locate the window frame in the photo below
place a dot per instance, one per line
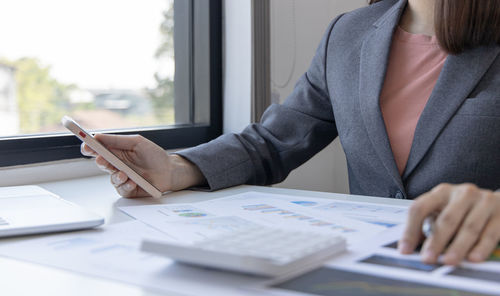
(204, 18)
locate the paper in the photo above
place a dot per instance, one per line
(188, 223)
(112, 252)
(381, 259)
(377, 256)
(330, 281)
(383, 215)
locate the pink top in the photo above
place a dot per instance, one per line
(414, 66)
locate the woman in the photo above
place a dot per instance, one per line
(412, 88)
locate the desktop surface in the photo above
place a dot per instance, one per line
(103, 200)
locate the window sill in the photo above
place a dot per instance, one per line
(48, 172)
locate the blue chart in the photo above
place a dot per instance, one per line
(113, 248)
(386, 216)
(184, 211)
(334, 282)
(305, 203)
(366, 208)
(219, 223)
(375, 222)
(71, 243)
(267, 209)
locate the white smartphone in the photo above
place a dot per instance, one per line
(86, 137)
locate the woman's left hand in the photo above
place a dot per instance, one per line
(467, 224)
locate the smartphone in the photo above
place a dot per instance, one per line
(86, 137)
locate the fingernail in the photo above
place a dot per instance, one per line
(115, 179)
(128, 186)
(475, 256)
(120, 178)
(404, 247)
(103, 168)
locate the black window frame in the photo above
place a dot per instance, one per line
(203, 19)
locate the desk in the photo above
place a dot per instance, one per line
(96, 194)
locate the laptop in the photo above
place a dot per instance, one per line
(32, 209)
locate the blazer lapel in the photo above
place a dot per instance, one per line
(460, 75)
(373, 67)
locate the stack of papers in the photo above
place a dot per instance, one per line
(370, 229)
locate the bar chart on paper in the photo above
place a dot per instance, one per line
(246, 212)
(377, 214)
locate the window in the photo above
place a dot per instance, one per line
(147, 67)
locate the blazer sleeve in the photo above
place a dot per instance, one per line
(287, 135)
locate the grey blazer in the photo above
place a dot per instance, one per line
(457, 138)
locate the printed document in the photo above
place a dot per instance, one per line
(379, 269)
(372, 261)
(188, 223)
(112, 252)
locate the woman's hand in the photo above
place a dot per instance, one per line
(467, 224)
(165, 172)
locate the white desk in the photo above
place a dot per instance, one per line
(96, 194)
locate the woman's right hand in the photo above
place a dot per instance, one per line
(166, 172)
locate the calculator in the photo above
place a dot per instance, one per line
(261, 250)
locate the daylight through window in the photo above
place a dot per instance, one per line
(108, 64)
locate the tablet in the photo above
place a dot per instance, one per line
(86, 137)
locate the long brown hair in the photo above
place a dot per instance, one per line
(465, 24)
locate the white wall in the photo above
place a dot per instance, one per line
(296, 30)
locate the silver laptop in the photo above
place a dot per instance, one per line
(32, 209)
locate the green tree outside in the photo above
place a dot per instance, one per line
(162, 96)
(42, 100)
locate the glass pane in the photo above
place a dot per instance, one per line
(108, 64)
